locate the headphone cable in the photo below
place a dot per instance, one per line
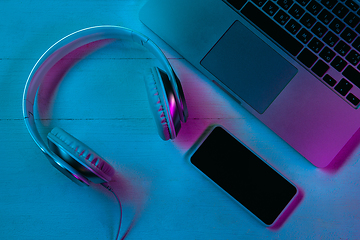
(107, 186)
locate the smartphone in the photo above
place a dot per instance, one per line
(244, 175)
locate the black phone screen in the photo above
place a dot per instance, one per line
(243, 175)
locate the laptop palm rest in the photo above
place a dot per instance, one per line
(248, 67)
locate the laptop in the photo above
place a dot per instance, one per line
(293, 64)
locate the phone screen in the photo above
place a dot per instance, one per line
(242, 174)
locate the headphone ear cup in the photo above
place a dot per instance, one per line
(80, 156)
(157, 106)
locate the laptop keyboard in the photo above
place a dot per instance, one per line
(323, 35)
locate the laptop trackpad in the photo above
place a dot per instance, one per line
(248, 67)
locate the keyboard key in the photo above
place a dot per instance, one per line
(281, 17)
(340, 10)
(330, 39)
(307, 58)
(316, 45)
(352, 5)
(342, 48)
(296, 11)
(276, 32)
(320, 68)
(338, 63)
(353, 99)
(348, 35)
(353, 57)
(325, 16)
(352, 75)
(292, 26)
(308, 20)
(356, 44)
(314, 7)
(270, 8)
(343, 87)
(337, 26)
(319, 29)
(303, 2)
(237, 3)
(304, 36)
(352, 19)
(260, 3)
(329, 80)
(285, 4)
(329, 3)
(327, 54)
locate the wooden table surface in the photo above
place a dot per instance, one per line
(102, 101)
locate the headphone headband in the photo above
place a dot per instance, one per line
(66, 45)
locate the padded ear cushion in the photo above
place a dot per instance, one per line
(80, 156)
(157, 106)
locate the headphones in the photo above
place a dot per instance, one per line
(72, 157)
